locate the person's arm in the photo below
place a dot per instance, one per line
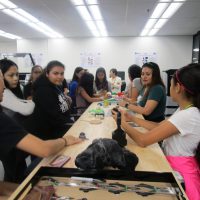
(10, 101)
(134, 94)
(41, 148)
(146, 110)
(109, 87)
(89, 99)
(149, 125)
(164, 130)
(27, 91)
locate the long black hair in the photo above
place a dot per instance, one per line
(86, 81)
(76, 71)
(5, 65)
(104, 84)
(156, 77)
(189, 78)
(53, 64)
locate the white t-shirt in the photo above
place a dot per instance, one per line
(185, 143)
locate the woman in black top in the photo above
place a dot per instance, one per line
(52, 107)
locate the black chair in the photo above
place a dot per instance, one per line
(123, 86)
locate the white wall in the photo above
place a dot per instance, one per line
(118, 52)
(8, 47)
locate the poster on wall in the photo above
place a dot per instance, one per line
(37, 57)
(90, 59)
(141, 58)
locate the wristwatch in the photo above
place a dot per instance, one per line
(126, 105)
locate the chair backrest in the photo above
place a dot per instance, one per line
(123, 86)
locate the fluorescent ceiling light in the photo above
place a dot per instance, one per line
(179, 0)
(144, 32)
(94, 9)
(91, 2)
(104, 33)
(9, 35)
(150, 23)
(165, 0)
(153, 32)
(8, 4)
(171, 10)
(91, 25)
(100, 25)
(44, 26)
(15, 15)
(35, 26)
(1, 7)
(83, 11)
(95, 33)
(45, 29)
(26, 15)
(158, 11)
(78, 2)
(160, 23)
(196, 50)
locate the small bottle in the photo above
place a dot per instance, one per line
(105, 103)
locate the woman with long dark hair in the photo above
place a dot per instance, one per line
(152, 96)
(85, 92)
(13, 103)
(52, 107)
(101, 84)
(78, 72)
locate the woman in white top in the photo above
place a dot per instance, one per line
(181, 132)
(115, 81)
(13, 102)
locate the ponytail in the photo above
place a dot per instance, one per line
(189, 78)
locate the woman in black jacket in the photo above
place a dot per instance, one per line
(52, 107)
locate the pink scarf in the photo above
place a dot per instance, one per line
(189, 169)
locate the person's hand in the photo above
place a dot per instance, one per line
(122, 103)
(125, 98)
(72, 140)
(126, 116)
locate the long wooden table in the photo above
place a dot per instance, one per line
(151, 158)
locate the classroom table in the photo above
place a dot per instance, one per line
(151, 158)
